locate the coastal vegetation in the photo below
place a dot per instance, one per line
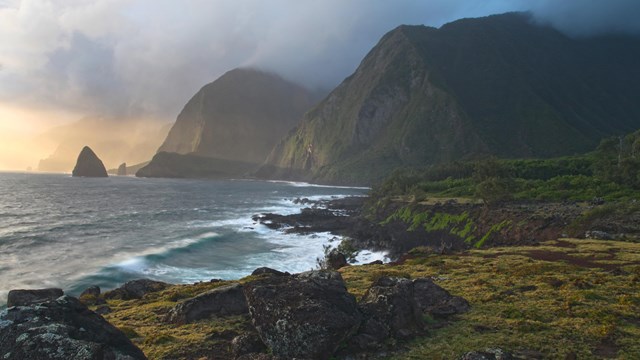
(580, 293)
(610, 172)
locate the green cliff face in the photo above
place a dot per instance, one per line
(497, 85)
(239, 117)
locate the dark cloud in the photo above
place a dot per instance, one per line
(147, 58)
(590, 17)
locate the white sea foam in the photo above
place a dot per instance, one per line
(367, 256)
(306, 184)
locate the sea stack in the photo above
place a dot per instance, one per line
(122, 169)
(89, 165)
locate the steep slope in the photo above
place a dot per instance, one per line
(240, 117)
(496, 85)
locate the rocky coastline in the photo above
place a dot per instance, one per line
(338, 312)
(448, 225)
(309, 315)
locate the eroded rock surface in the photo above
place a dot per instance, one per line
(303, 316)
(436, 301)
(223, 301)
(136, 289)
(28, 297)
(61, 329)
(390, 311)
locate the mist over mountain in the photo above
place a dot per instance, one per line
(116, 142)
(240, 116)
(502, 85)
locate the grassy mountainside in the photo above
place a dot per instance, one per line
(240, 116)
(497, 85)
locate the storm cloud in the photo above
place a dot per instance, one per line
(148, 57)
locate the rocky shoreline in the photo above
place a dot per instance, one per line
(305, 316)
(446, 225)
(311, 315)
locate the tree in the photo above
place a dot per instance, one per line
(494, 183)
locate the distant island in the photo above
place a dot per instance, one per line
(89, 165)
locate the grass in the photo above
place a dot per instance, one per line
(142, 321)
(561, 297)
(522, 302)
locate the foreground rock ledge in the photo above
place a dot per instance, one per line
(28, 297)
(61, 329)
(304, 316)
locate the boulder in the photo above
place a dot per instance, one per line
(122, 169)
(63, 329)
(91, 291)
(91, 296)
(598, 235)
(303, 316)
(28, 297)
(266, 270)
(335, 260)
(248, 343)
(103, 310)
(436, 301)
(487, 354)
(390, 311)
(256, 356)
(89, 165)
(136, 289)
(223, 301)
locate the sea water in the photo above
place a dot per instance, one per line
(60, 231)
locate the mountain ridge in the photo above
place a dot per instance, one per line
(239, 116)
(498, 85)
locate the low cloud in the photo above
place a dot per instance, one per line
(147, 58)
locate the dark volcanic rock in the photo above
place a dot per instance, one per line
(393, 308)
(135, 289)
(488, 354)
(303, 316)
(91, 296)
(390, 310)
(335, 260)
(89, 165)
(256, 356)
(103, 310)
(91, 291)
(28, 297)
(247, 344)
(309, 220)
(435, 300)
(122, 169)
(222, 301)
(266, 270)
(61, 329)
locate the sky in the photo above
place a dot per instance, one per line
(61, 60)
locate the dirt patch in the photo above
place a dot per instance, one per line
(565, 244)
(546, 255)
(606, 349)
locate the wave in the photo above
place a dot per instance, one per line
(136, 260)
(306, 184)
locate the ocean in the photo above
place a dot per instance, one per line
(60, 231)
